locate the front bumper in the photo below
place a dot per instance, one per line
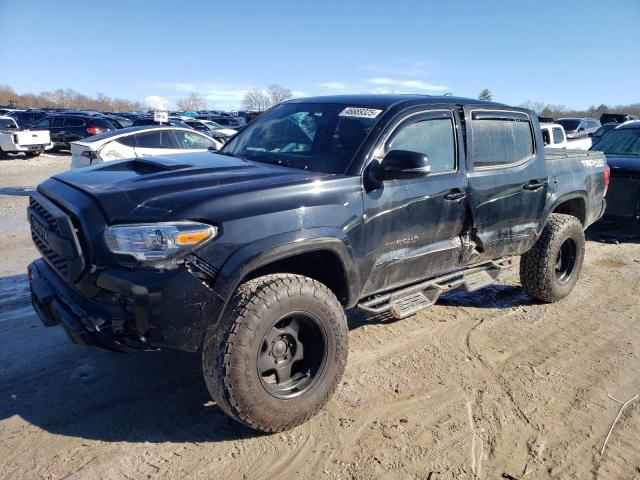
(128, 310)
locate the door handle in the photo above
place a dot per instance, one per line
(533, 185)
(455, 196)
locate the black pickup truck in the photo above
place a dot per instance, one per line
(252, 254)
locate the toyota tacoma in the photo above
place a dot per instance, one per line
(251, 255)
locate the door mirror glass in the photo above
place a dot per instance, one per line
(401, 164)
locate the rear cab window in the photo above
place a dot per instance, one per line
(501, 138)
(558, 135)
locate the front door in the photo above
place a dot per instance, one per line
(412, 227)
(507, 178)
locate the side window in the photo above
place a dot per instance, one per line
(501, 138)
(192, 140)
(433, 137)
(130, 141)
(57, 122)
(545, 136)
(74, 122)
(558, 136)
(44, 123)
(161, 139)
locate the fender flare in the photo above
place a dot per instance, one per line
(555, 200)
(269, 250)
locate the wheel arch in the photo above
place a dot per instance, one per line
(574, 204)
(324, 258)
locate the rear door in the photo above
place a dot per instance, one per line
(413, 227)
(157, 142)
(507, 180)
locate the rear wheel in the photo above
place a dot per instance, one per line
(279, 353)
(551, 268)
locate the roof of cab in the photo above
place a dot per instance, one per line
(387, 100)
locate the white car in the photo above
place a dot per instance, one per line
(209, 127)
(134, 142)
(15, 140)
(553, 135)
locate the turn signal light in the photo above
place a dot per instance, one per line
(191, 238)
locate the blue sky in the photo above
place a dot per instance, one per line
(568, 52)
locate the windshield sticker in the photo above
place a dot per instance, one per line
(360, 112)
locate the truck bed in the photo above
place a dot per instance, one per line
(554, 154)
(577, 171)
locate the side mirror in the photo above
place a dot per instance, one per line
(591, 134)
(581, 129)
(401, 165)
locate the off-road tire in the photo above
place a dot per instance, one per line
(32, 154)
(538, 265)
(229, 352)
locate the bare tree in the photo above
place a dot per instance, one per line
(192, 103)
(65, 98)
(256, 100)
(278, 94)
(537, 107)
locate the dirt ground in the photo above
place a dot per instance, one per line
(479, 386)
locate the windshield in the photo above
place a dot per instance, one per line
(621, 142)
(317, 137)
(604, 129)
(212, 125)
(7, 123)
(569, 124)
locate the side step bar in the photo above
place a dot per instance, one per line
(409, 300)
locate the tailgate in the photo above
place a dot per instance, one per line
(33, 137)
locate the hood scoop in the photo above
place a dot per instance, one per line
(145, 166)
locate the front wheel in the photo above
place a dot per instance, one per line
(549, 271)
(279, 352)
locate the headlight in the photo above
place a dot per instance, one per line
(159, 244)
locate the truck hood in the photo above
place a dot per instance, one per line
(624, 166)
(150, 189)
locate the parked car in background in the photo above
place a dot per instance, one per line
(553, 135)
(228, 122)
(211, 128)
(622, 149)
(15, 140)
(576, 128)
(140, 141)
(142, 121)
(27, 117)
(118, 121)
(66, 128)
(601, 132)
(615, 118)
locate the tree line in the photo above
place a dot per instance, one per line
(66, 98)
(557, 111)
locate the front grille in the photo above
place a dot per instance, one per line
(67, 261)
(623, 196)
(55, 260)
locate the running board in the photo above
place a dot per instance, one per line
(410, 300)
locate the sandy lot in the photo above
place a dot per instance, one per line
(479, 386)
